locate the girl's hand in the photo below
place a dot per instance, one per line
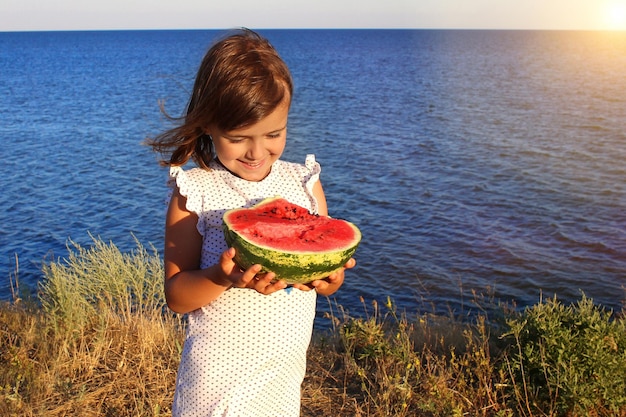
(330, 284)
(263, 283)
(233, 276)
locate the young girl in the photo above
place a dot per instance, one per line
(247, 335)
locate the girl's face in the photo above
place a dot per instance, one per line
(249, 152)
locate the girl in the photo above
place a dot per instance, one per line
(247, 335)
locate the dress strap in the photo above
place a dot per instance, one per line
(309, 162)
(313, 176)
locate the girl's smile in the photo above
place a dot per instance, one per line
(249, 152)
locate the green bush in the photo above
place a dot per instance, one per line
(100, 278)
(567, 360)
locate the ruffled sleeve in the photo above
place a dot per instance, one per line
(190, 187)
(314, 169)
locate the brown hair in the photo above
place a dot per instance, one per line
(241, 80)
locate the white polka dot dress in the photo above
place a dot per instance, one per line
(244, 353)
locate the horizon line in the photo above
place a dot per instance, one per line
(310, 28)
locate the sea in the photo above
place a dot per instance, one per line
(482, 167)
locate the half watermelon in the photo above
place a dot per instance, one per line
(287, 240)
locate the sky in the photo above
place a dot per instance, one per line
(33, 15)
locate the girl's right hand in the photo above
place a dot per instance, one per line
(250, 278)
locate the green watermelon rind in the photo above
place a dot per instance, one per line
(293, 267)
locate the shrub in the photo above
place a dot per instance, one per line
(567, 360)
(431, 366)
(101, 277)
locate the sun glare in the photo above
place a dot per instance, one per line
(615, 15)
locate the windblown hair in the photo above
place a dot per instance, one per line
(241, 80)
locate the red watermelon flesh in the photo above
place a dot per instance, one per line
(294, 230)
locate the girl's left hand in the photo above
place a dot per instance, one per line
(330, 284)
(264, 285)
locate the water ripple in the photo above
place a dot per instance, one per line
(487, 161)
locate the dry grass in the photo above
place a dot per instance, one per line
(98, 342)
(387, 365)
(113, 367)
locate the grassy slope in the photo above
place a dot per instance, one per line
(98, 342)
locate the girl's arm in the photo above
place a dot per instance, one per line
(187, 287)
(318, 193)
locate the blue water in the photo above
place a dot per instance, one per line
(473, 161)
